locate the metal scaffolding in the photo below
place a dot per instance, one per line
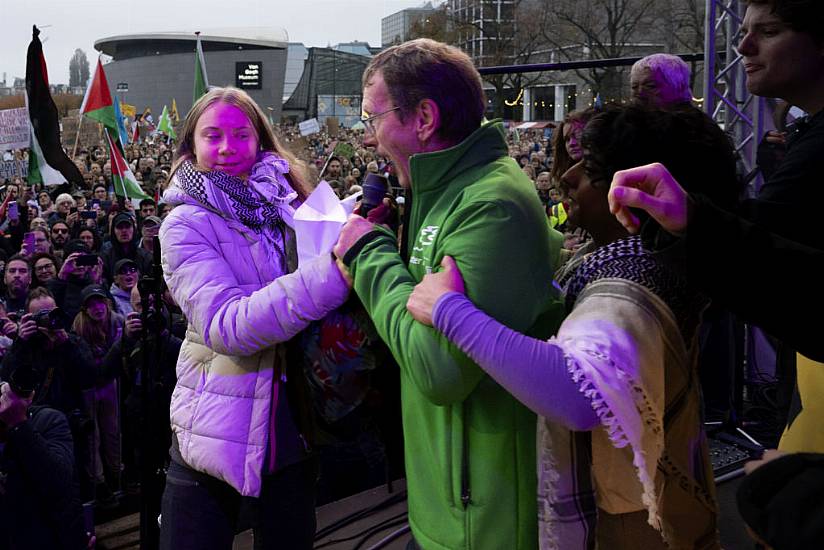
(726, 99)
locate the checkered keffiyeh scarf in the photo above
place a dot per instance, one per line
(262, 202)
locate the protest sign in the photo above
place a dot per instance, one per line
(14, 129)
(11, 168)
(308, 127)
(344, 150)
(332, 126)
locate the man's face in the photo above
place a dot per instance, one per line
(96, 169)
(107, 169)
(127, 277)
(44, 199)
(652, 89)
(334, 169)
(46, 303)
(59, 234)
(779, 61)
(124, 232)
(18, 276)
(542, 181)
(150, 230)
(41, 242)
(64, 206)
(392, 138)
(147, 210)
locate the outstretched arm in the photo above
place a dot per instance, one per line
(532, 370)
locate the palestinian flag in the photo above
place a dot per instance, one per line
(97, 103)
(123, 180)
(48, 162)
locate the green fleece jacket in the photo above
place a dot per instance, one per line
(470, 446)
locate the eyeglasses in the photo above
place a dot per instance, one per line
(368, 121)
(127, 270)
(44, 267)
(59, 230)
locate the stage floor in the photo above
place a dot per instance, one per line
(123, 533)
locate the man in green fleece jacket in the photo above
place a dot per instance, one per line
(470, 446)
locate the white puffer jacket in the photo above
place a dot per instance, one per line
(239, 307)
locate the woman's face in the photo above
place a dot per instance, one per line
(587, 205)
(44, 200)
(225, 140)
(572, 140)
(97, 308)
(87, 238)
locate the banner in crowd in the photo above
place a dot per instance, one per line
(344, 150)
(12, 168)
(14, 129)
(308, 127)
(346, 108)
(128, 110)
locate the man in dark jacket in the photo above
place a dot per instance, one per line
(39, 502)
(125, 359)
(123, 245)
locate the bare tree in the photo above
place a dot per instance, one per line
(687, 34)
(492, 33)
(434, 25)
(78, 69)
(603, 29)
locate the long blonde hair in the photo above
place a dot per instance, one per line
(267, 139)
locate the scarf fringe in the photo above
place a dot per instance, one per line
(616, 433)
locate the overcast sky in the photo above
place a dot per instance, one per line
(70, 24)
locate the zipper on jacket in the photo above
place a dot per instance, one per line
(466, 492)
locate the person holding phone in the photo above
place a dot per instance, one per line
(77, 272)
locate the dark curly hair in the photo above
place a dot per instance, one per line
(801, 15)
(692, 147)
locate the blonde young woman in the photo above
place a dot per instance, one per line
(229, 260)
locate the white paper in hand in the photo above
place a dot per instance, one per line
(318, 222)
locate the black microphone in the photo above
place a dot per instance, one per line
(374, 187)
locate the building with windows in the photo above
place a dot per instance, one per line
(395, 27)
(329, 86)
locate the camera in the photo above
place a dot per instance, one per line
(88, 215)
(50, 319)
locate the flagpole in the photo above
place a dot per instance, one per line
(77, 137)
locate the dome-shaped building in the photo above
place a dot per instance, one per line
(151, 69)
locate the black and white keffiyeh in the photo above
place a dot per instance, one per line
(262, 202)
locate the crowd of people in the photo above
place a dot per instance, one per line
(524, 317)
